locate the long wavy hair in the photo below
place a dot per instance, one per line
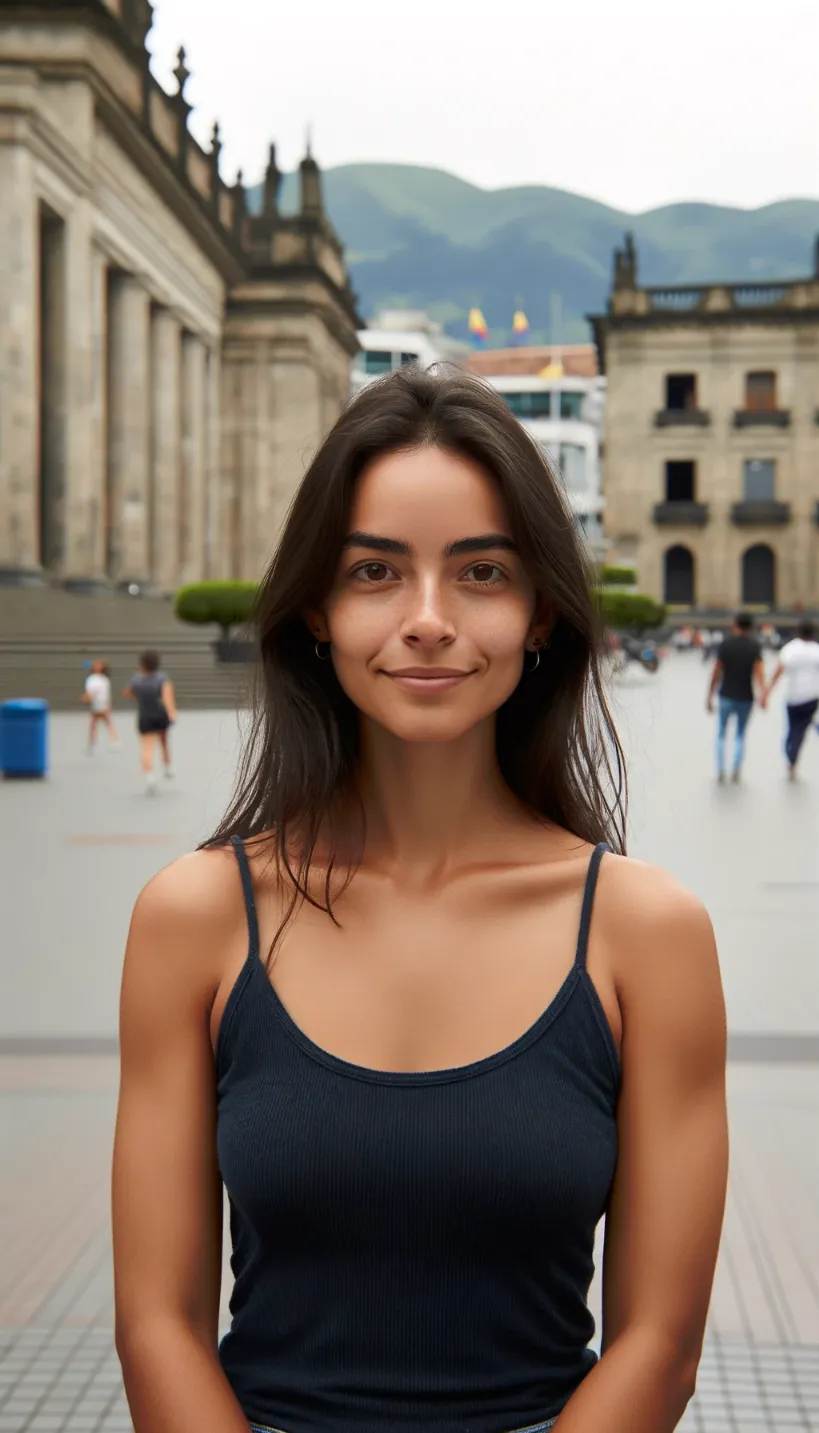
(556, 743)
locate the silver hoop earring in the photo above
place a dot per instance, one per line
(323, 656)
(536, 664)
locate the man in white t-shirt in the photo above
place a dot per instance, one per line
(97, 696)
(799, 665)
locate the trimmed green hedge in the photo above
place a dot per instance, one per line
(614, 576)
(624, 610)
(227, 604)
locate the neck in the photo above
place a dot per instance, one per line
(431, 806)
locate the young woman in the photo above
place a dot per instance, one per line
(409, 1004)
(97, 697)
(156, 711)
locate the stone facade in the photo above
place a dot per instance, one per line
(712, 438)
(167, 361)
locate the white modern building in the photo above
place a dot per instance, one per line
(565, 417)
(398, 337)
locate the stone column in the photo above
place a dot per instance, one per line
(192, 475)
(214, 533)
(19, 309)
(129, 428)
(85, 360)
(165, 448)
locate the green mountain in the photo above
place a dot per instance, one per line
(422, 238)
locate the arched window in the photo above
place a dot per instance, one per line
(679, 586)
(759, 575)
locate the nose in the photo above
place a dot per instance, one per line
(426, 622)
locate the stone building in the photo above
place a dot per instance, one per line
(167, 360)
(712, 438)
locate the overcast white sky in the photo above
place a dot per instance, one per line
(636, 102)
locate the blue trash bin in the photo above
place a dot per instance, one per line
(24, 737)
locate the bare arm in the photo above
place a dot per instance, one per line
(759, 674)
(665, 1217)
(168, 699)
(167, 1196)
(716, 678)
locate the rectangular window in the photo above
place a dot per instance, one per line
(407, 358)
(573, 466)
(571, 405)
(529, 405)
(680, 392)
(680, 482)
(758, 480)
(377, 360)
(760, 391)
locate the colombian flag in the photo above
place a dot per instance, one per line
(477, 327)
(520, 327)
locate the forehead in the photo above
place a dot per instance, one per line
(427, 489)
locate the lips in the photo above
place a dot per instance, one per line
(426, 681)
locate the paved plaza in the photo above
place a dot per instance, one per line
(76, 850)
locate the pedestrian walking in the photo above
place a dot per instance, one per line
(97, 696)
(738, 677)
(156, 711)
(799, 665)
(385, 1003)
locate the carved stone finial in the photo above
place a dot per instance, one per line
(272, 182)
(312, 204)
(308, 142)
(181, 74)
(216, 138)
(240, 178)
(625, 265)
(816, 257)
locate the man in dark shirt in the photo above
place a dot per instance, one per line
(737, 670)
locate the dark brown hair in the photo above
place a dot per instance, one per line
(556, 743)
(149, 661)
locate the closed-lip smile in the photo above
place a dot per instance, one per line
(427, 680)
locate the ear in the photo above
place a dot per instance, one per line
(316, 624)
(541, 625)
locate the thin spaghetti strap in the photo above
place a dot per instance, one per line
(588, 903)
(247, 890)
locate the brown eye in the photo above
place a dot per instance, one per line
(373, 572)
(484, 574)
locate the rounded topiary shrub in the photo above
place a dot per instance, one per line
(226, 604)
(630, 610)
(612, 575)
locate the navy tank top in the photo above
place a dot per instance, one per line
(412, 1251)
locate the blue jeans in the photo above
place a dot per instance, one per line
(800, 717)
(728, 708)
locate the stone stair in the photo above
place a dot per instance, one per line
(46, 634)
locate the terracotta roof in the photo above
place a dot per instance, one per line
(579, 361)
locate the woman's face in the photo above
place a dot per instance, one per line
(430, 611)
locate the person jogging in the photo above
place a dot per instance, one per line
(738, 670)
(97, 696)
(799, 665)
(156, 711)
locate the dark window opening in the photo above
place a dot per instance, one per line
(407, 358)
(679, 577)
(529, 405)
(680, 481)
(760, 392)
(681, 392)
(758, 480)
(759, 575)
(377, 360)
(571, 405)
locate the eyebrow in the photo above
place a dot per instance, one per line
(482, 542)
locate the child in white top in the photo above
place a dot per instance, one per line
(97, 696)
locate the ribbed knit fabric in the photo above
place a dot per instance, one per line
(412, 1251)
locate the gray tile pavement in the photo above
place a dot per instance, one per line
(77, 848)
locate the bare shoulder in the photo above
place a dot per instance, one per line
(187, 920)
(653, 927)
